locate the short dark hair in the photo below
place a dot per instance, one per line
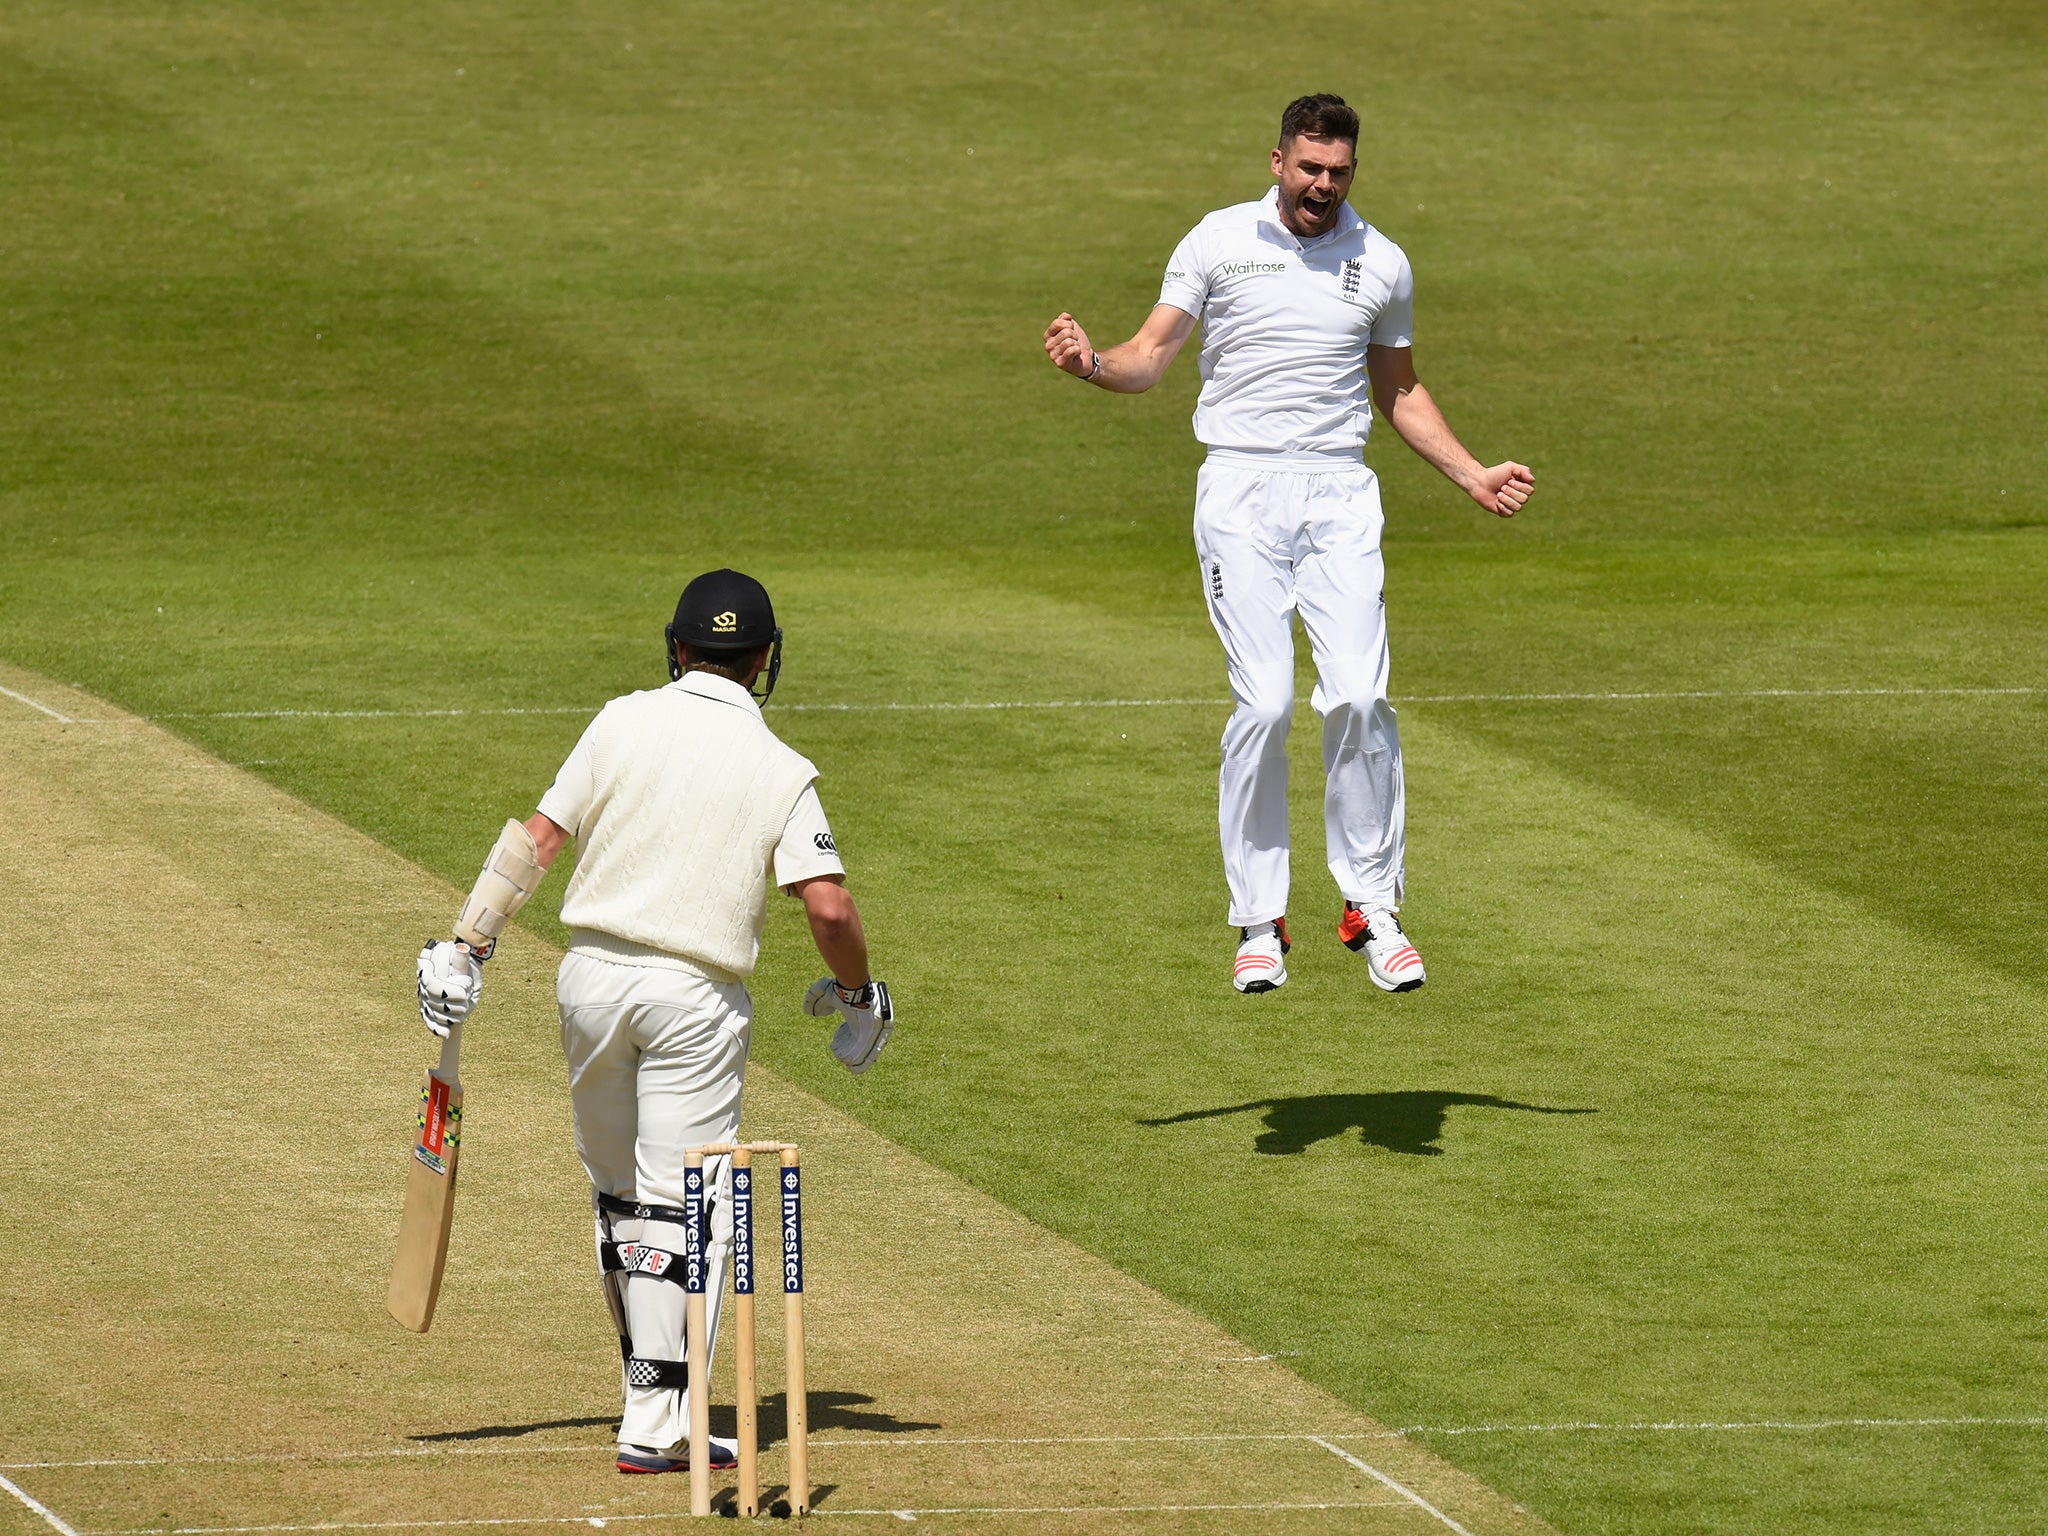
(1320, 117)
(731, 665)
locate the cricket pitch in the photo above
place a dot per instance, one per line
(214, 1050)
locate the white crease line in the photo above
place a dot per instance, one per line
(369, 714)
(52, 713)
(597, 1521)
(919, 1442)
(1402, 1489)
(601, 1521)
(968, 705)
(912, 1442)
(1111, 1509)
(2033, 1422)
(592, 709)
(1018, 704)
(56, 1523)
(1714, 693)
(901, 1442)
(262, 1458)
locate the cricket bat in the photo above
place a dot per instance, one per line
(429, 1194)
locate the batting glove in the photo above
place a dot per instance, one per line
(868, 1014)
(451, 980)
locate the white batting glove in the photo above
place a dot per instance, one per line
(869, 1019)
(451, 980)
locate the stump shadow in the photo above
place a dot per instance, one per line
(1408, 1121)
(774, 1500)
(829, 1410)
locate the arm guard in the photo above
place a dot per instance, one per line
(509, 876)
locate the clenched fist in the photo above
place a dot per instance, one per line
(1067, 345)
(1503, 488)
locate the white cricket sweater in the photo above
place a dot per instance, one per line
(678, 798)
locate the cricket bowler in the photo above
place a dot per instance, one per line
(1307, 323)
(686, 808)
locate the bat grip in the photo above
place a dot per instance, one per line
(451, 1048)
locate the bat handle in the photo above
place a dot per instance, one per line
(451, 1048)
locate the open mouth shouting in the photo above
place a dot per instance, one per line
(1314, 175)
(1318, 210)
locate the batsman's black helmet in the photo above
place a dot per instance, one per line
(725, 611)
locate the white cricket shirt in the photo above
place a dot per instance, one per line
(1285, 325)
(684, 805)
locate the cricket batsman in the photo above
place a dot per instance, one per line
(1307, 316)
(686, 808)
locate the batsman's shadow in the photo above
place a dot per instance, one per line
(513, 1431)
(1409, 1121)
(829, 1410)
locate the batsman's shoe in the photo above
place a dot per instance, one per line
(725, 1454)
(1388, 955)
(1261, 964)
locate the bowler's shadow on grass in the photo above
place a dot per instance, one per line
(1410, 1121)
(829, 1410)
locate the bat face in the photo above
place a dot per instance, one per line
(440, 1125)
(429, 1196)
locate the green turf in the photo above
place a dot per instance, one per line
(396, 358)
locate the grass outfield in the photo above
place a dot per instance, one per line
(407, 359)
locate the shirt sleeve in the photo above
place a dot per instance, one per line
(568, 799)
(1186, 284)
(806, 850)
(1394, 325)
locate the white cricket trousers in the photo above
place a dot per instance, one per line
(1281, 534)
(657, 1058)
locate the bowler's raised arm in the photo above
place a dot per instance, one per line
(1130, 369)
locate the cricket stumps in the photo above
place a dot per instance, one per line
(789, 1179)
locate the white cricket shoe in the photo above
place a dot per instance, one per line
(645, 1459)
(1394, 964)
(1261, 965)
